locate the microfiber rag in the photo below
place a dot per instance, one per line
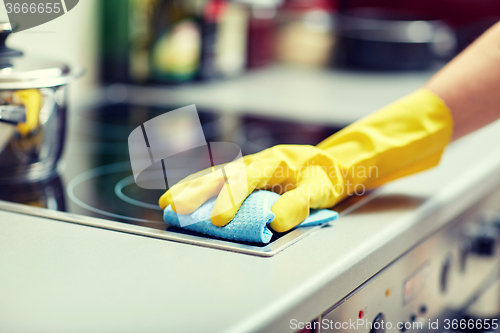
(249, 224)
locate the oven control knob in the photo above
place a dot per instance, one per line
(484, 241)
(379, 324)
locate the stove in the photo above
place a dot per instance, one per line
(421, 250)
(95, 185)
(447, 283)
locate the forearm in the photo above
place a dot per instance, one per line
(470, 84)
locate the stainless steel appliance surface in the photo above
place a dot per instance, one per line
(425, 245)
(431, 287)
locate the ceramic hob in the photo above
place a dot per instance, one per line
(95, 179)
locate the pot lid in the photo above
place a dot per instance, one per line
(18, 71)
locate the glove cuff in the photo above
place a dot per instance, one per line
(403, 138)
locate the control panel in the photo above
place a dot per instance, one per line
(429, 286)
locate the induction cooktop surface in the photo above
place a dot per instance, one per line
(95, 177)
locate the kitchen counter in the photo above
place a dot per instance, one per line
(337, 97)
(57, 276)
(63, 277)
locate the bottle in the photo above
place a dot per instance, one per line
(231, 44)
(306, 33)
(142, 13)
(175, 56)
(114, 41)
(261, 33)
(209, 21)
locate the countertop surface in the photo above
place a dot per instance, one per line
(62, 277)
(336, 97)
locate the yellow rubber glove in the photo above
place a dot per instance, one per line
(32, 100)
(288, 169)
(403, 138)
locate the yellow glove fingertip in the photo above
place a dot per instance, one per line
(165, 200)
(222, 219)
(290, 210)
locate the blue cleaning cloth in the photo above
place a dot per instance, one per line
(249, 224)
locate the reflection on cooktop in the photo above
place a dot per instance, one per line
(47, 193)
(97, 178)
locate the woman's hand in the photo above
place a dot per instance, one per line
(403, 138)
(306, 176)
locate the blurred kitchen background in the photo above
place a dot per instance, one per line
(312, 61)
(176, 42)
(305, 59)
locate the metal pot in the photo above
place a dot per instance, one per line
(32, 113)
(388, 40)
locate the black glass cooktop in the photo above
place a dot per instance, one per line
(95, 177)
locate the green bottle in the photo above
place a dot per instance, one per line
(115, 41)
(175, 55)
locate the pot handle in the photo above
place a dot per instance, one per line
(5, 52)
(13, 114)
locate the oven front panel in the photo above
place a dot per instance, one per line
(428, 287)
